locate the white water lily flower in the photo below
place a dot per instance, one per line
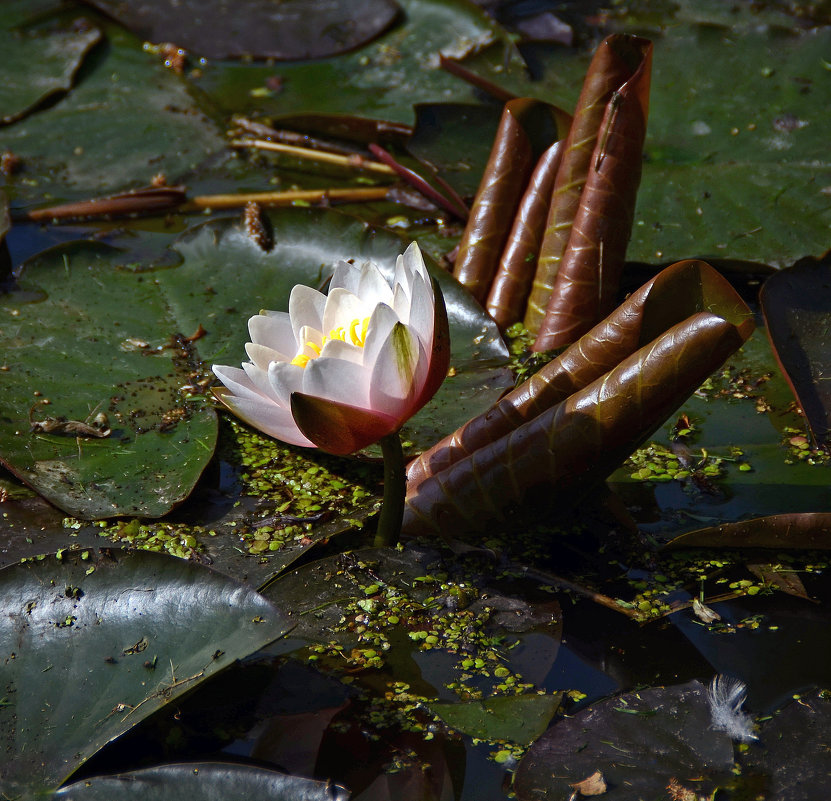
(341, 371)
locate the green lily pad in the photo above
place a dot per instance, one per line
(638, 741)
(518, 718)
(202, 781)
(39, 67)
(92, 339)
(93, 643)
(381, 80)
(128, 119)
(291, 29)
(226, 277)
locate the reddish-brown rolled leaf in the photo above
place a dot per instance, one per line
(147, 200)
(670, 297)
(527, 128)
(561, 453)
(588, 279)
(811, 530)
(512, 283)
(617, 60)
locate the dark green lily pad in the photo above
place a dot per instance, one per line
(290, 29)
(202, 781)
(638, 741)
(39, 67)
(93, 643)
(126, 121)
(381, 80)
(518, 718)
(810, 530)
(226, 278)
(92, 339)
(797, 306)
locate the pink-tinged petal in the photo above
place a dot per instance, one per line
(284, 378)
(337, 380)
(395, 371)
(337, 349)
(342, 307)
(306, 307)
(274, 330)
(265, 416)
(237, 381)
(339, 428)
(381, 323)
(262, 355)
(440, 356)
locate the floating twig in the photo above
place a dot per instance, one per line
(352, 161)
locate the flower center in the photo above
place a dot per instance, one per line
(354, 333)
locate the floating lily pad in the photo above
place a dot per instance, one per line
(93, 643)
(797, 306)
(202, 781)
(37, 67)
(290, 29)
(226, 277)
(92, 339)
(127, 120)
(638, 741)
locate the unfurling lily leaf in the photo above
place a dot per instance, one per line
(527, 129)
(339, 372)
(563, 449)
(676, 293)
(590, 217)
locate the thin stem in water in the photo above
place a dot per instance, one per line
(395, 487)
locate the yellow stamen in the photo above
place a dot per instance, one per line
(357, 336)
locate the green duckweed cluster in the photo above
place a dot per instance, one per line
(182, 540)
(800, 450)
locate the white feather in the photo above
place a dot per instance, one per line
(725, 697)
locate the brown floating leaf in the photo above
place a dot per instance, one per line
(560, 454)
(591, 785)
(672, 296)
(618, 59)
(784, 579)
(810, 530)
(510, 288)
(528, 127)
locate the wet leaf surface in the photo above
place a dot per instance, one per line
(202, 781)
(292, 29)
(94, 642)
(93, 339)
(638, 741)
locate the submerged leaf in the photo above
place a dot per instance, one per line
(809, 530)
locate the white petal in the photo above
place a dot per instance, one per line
(422, 311)
(337, 349)
(273, 330)
(310, 342)
(262, 355)
(338, 380)
(259, 379)
(285, 378)
(342, 307)
(237, 381)
(373, 288)
(346, 276)
(306, 307)
(380, 326)
(398, 373)
(269, 418)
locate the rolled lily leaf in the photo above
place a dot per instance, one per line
(621, 67)
(528, 128)
(510, 288)
(796, 303)
(565, 450)
(676, 293)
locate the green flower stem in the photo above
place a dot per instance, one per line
(395, 488)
